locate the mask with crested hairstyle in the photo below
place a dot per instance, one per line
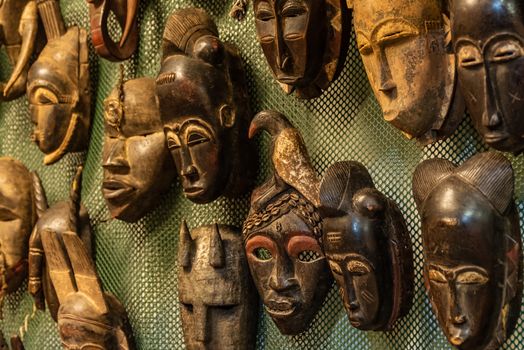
(488, 39)
(368, 248)
(472, 248)
(282, 233)
(404, 48)
(223, 317)
(205, 126)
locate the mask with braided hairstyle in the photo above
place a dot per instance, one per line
(283, 231)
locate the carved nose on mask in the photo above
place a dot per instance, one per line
(189, 171)
(387, 86)
(353, 306)
(491, 120)
(458, 319)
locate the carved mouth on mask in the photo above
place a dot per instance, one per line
(117, 191)
(192, 192)
(458, 335)
(281, 308)
(287, 79)
(495, 137)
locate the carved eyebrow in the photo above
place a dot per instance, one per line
(351, 256)
(465, 41)
(501, 36)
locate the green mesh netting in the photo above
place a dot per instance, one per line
(138, 262)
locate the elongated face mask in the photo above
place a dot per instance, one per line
(490, 60)
(367, 246)
(137, 165)
(403, 46)
(300, 39)
(222, 317)
(472, 248)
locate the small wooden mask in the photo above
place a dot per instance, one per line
(18, 26)
(488, 39)
(368, 248)
(125, 12)
(17, 218)
(205, 126)
(472, 248)
(138, 167)
(58, 88)
(283, 231)
(224, 316)
(404, 48)
(305, 42)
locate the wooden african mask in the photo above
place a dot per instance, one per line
(18, 27)
(368, 248)
(205, 126)
(472, 248)
(58, 88)
(305, 42)
(282, 233)
(225, 315)
(137, 165)
(488, 39)
(125, 12)
(17, 218)
(64, 216)
(403, 46)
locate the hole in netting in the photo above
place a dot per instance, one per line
(263, 254)
(309, 256)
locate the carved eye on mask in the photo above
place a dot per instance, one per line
(395, 31)
(43, 96)
(293, 9)
(264, 12)
(7, 215)
(469, 56)
(335, 268)
(196, 138)
(437, 276)
(261, 248)
(364, 45)
(474, 277)
(358, 268)
(173, 141)
(304, 248)
(506, 50)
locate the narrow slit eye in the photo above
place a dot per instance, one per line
(195, 139)
(309, 256)
(188, 307)
(335, 268)
(225, 307)
(7, 215)
(437, 276)
(469, 56)
(472, 277)
(264, 15)
(506, 51)
(172, 144)
(293, 11)
(358, 268)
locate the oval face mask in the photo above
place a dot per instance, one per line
(403, 47)
(490, 62)
(368, 248)
(472, 248)
(225, 316)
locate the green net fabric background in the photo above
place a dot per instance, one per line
(137, 262)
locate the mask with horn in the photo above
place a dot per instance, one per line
(17, 218)
(283, 231)
(405, 49)
(64, 216)
(18, 27)
(305, 41)
(137, 165)
(224, 316)
(472, 248)
(205, 126)
(58, 88)
(368, 247)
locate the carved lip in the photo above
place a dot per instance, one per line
(495, 137)
(193, 191)
(116, 190)
(286, 79)
(457, 341)
(280, 308)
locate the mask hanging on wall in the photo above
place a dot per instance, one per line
(488, 39)
(225, 316)
(206, 127)
(137, 165)
(282, 233)
(305, 42)
(472, 248)
(58, 88)
(404, 48)
(368, 248)
(17, 218)
(64, 216)
(19, 27)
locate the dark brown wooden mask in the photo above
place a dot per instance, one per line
(18, 27)
(137, 165)
(403, 46)
(304, 41)
(224, 316)
(205, 126)
(472, 248)
(283, 231)
(368, 247)
(58, 89)
(17, 217)
(488, 39)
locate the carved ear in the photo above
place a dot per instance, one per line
(492, 174)
(227, 116)
(340, 183)
(429, 174)
(185, 245)
(217, 256)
